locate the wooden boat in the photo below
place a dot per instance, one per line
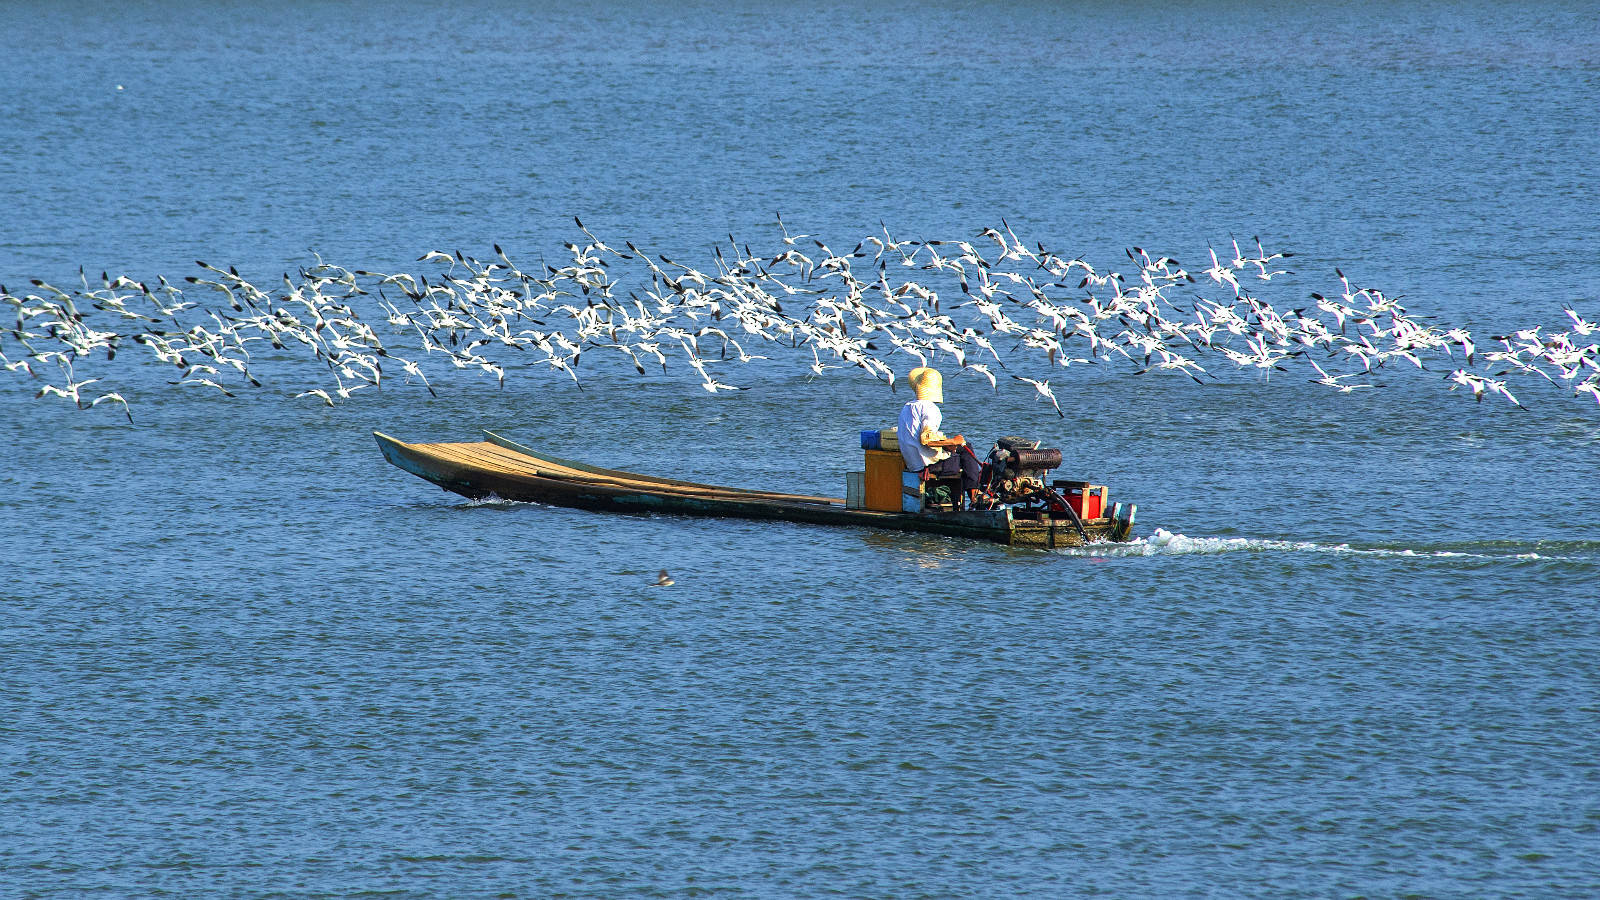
(497, 467)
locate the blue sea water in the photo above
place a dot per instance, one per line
(1351, 653)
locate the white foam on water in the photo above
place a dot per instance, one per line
(493, 501)
(489, 500)
(1164, 543)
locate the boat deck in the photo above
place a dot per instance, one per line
(499, 456)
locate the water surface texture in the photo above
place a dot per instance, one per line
(1352, 652)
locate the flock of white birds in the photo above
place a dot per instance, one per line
(882, 306)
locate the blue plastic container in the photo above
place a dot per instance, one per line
(871, 440)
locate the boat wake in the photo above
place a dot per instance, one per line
(1166, 543)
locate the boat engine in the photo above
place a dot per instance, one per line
(1014, 479)
(1017, 468)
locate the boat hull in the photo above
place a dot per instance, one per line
(500, 468)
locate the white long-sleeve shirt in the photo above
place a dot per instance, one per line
(919, 416)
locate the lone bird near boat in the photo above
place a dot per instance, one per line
(664, 580)
(1043, 387)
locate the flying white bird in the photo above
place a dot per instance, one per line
(1043, 387)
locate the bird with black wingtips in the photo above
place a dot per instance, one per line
(1043, 387)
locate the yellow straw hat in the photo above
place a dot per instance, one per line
(927, 383)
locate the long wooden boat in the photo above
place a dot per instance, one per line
(497, 467)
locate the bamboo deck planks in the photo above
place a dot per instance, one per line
(484, 455)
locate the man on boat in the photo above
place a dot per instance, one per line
(923, 446)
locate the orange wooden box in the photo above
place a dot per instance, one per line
(882, 482)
